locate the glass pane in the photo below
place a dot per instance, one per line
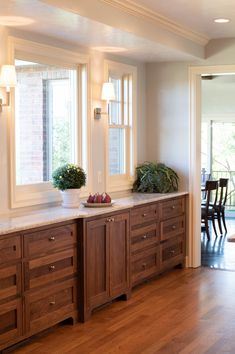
(115, 106)
(116, 151)
(205, 150)
(45, 116)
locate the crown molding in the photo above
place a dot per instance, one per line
(132, 8)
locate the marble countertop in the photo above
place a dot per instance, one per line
(23, 221)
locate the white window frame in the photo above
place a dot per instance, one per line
(123, 182)
(44, 193)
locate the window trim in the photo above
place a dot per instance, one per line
(118, 183)
(45, 193)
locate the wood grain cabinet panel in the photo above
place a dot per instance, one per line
(172, 208)
(144, 214)
(172, 227)
(10, 281)
(145, 264)
(10, 321)
(10, 249)
(144, 237)
(50, 305)
(172, 252)
(45, 241)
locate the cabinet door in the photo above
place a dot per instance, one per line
(10, 322)
(96, 263)
(119, 254)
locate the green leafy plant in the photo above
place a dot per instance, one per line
(155, 178)
(68, 176)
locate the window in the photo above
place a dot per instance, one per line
(45, 114)
(121, 127)
(49, 125)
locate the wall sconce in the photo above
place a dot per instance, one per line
(7, 80)
(107, 94)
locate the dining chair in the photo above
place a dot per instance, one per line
(220, 206)
(208, 206)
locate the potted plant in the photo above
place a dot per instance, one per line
(69, 178)
(155, 178)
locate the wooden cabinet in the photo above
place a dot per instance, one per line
(106, 260)
(38, 281)
(145, 256)
(172, 234)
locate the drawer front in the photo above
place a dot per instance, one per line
(50, 268)
(144, 237)
(144, 265)
(172, 252)
(10, 249)
(172, 227)
(10, 281)
(51, 305)
(10, 322)
(172, 208)
(46, 241)
(144, 214)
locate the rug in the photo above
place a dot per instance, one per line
(231, 238)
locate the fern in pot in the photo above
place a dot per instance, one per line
(69, 179)
(155, 178)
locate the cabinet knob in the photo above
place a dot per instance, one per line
(108, 220)
(173, 207)
(144, 265)
(144, 237)
(144, 215)
(51, 238)
(52, 303)
(172, 252)
(51, 268)
(173, 227)
(112, 219)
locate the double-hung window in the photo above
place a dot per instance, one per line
(49, 124)
(121, 127)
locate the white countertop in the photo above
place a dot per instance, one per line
(51, 215)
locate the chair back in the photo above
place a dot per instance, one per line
(223, 188)
(211, 189)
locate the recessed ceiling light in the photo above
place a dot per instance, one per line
(221, 20)
(15, 21)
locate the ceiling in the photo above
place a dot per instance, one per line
(144, 30)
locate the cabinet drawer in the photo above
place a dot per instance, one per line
(144, 214)
(10, 322)
(10, 249)
(144, 237)
(51, 305)
(50, 268)
(172, 252)
(46, 241)
(144, 265)
(171, 208)
(10, 281)
(172, 227)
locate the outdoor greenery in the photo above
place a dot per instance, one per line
(155, 178)
(68, 176)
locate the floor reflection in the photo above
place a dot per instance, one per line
(218, 253)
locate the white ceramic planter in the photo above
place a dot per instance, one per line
(70, 198)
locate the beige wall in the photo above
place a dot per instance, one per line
(97, 134)
(167, 102)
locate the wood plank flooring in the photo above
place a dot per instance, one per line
(183, 311)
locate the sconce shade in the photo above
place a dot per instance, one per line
(8, 76)
(108, 93)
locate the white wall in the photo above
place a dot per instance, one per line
(167, 102)
(97, 137)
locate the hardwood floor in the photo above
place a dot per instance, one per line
(217, 252)
(183, 311)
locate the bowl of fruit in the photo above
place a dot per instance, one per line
(98, 200)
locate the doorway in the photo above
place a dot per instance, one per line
(195, 73)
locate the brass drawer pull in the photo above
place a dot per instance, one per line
(51, 268)
(173, 227)
(144, 265)
(52, 238)
(52, 303)
(144, 215)
(112, 219)
(173, 207)
(144, 237)
(172, 252)
(108, 220)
